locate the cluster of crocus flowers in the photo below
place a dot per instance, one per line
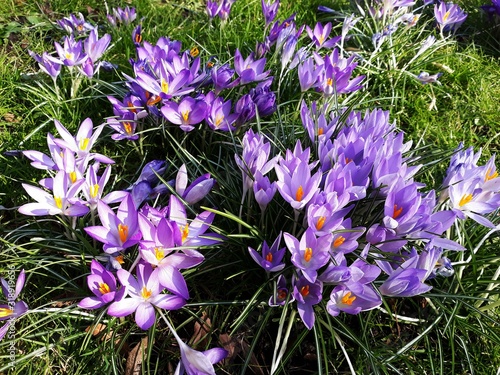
(186, 92)
(73, 187)
(75, 52)
(397, 245)
(123, 16)
(220, 8)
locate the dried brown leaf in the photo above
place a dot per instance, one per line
(136, 357)
(201, 331)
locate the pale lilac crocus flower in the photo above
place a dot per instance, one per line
(62, 201)
(12, 310)
(270, 10)
(143, 294)
(320, 34)
(187, 113)
(449, 16)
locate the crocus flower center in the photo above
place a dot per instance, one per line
(282, 294)
(153, 100)
(397, 211)
(299, 194)
(164, 86)
(123, 232)
(185, 115)
(128, 127)
(321, 39)
(348, 299)
(138, 38)
(446, 15)
(465, 199)
(320, 222)
(218, 120)
(5, 312)
(159, 253)
(269, 257)
(304, 290)
(490, 175)
(194, 52)
(320, 131)
(329, 81)
(338, 241)
(104, 288)
(93, 190)
(308, 254)
(185, 233)
(131, 107)
(58, 201)
(69, 56)
(72, 177)
(119, 259)
(83, 144)
(146, 293)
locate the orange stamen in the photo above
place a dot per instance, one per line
(338, 241)
(397, 211)
(304, 291)
(104, 288)
(146, 293)
(123, 232)
(119, 259)
(299, 194)
(185, 115)
(269, 257)
(83, 144)
(282, 294)
(128, 127)
(58, 201)
(320, 222)
(308, 254)
(465, 199)
(159, 253)
(347, 299)
(185, 233)
(5, 312)
(94, 190)
(194, 52)
(490, 175)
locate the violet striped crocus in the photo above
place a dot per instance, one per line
(143, 294)
(307, 294)
(352, 299)
(249, 70)
(271, 258)
(280, 297)
(197, 190)
(102, 283)
(118, 231)
(263, 190)
(220, 116)
(71, 53)
(270, 10)
(95, 47)
(46, 64)
(187, 113)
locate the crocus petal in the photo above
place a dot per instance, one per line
(145, 315)
(172, 279)
(124, 307)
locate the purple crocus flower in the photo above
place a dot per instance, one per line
(95, 47)
(143, 294)
(352, 299)
(13, 310)
(197, 190)
(187, 113)
(320, 34)
(126, 15)
(280, 297)
(249, 70)
(263, 190)
(297, 187)
(426, 78)
(212, 8)
(245, 109)
(46, 64)
(221, 78)
(310, 254)
(307, 294)
(449, 16)
(271, 258)
(62, 201)
(102, 283)
(308, 74)
(71, 53)
(75, 24)
(220, 116)
(270, 10)
(125, 127)
(118, 231)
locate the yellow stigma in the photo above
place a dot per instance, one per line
(5, 312)
(146, 293)
(320, 131)
(320, 222)
(304, 291)
(131, 107)
(308, 254)
(72, 177)
(194, 51)
(465, 199)
(329, 81)
(123, 232)
(185, 233)
(321, 39)
(446, 15)
(299, 194)
(128, 127)
(159, 253)
(69, 56)
(397, 211)
(269, 257)
(93, 190)
(347, 299)
(58, 201)
(185, 115)
(104, 288)
(164, 86)
(119, 259)
(83, 144)
(218, 120)
(338, 241)
(490, 175)
(210, 65)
